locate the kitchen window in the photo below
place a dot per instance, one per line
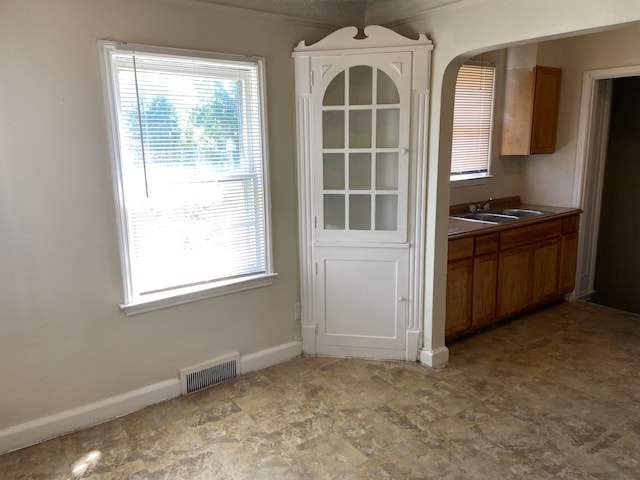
(472, 120)
(190, 173)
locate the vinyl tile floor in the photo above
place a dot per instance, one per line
(555, 394)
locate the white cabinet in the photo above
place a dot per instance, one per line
(362, 112)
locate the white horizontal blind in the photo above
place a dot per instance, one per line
(472, 118)
(191, 162)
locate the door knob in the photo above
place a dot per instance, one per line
(404, 151)
(401, 299)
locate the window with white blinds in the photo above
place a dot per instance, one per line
(190, 168)
(472, 119)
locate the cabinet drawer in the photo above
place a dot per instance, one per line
(529, 234)
(461, 248)
(570, 224)
(486, 243)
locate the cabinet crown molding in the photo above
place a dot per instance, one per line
(375, 36)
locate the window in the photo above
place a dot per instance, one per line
(190, 172)
(472, 119)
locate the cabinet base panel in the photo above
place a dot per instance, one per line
(500, 321)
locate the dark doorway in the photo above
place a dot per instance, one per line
(617, 273)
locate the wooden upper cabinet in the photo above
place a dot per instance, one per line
(530, 121)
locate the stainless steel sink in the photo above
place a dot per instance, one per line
(497, 216)
(488, 217)
(523, 212)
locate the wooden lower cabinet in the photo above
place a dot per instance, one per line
(459, 284)
(494, 276)
(485, 277)
(514, 281)
(568, 263)
(545, 257)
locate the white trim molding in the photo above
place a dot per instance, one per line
(269, 357)
(35, 431)
(434, 358)
(591, 151)
(40, 429)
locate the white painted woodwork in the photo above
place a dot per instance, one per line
(362, 109)
(591, 152)
(362, 298)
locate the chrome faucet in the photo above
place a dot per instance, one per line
(479, 208)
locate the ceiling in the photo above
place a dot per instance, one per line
(341, 12)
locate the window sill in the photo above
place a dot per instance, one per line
(172, 298)
(470, 180)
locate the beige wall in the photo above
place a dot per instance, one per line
(549, 178)
(63, 340)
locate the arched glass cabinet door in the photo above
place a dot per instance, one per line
(361, 155)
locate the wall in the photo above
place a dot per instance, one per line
(64, 342)
(461, 31)
(617, 278)
(549, 178)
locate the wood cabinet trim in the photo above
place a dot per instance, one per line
(487, 243)
(530, 234)
(461, 248)
(570, 224)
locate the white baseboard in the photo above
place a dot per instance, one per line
(35, 431)
(434, 358)
(29, 433)
(270, 356)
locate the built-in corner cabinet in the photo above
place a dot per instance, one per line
(530, 120)
(361, 126)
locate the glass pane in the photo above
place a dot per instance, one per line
(333, 171)
(387, 91)
(360, 85)
(360, 171)
(360, 128)
(333, 129)
(387, 171)
(386, 212)
(334, 212)
(388, 128)
(360, 212)
(334, 94)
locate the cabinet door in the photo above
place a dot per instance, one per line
(360, 148)
(545, 110)
(360, 300)
(568, 263)
(459, 285)
(546, 257)
(485, 276)
(514, 280)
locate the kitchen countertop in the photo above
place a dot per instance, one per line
(461, 228)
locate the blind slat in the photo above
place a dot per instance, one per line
(472, 119)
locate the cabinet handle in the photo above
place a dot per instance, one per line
(401, 299)
(404, 151)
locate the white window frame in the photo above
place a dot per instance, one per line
(478, 178)
(134, 303)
